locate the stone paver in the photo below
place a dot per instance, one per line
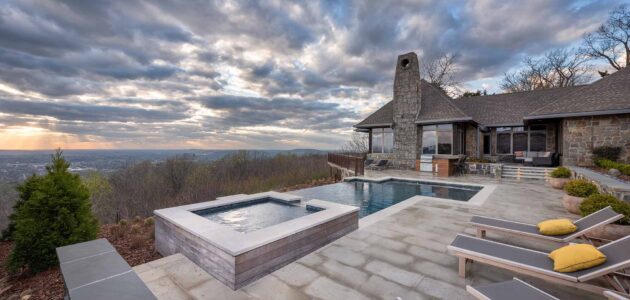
(402, 256)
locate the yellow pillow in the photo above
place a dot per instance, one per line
(576, 257)
(556, 227)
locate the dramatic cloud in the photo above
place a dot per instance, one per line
(241, 74)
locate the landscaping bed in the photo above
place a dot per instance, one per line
(622, 177)
(49, 284)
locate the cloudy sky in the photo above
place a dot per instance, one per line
(241, 74)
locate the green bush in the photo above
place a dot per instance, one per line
(56, 212)
(609, 164)
(598, 201)
(560, 172)
(580, 188)
(24, 191)
(607, 152)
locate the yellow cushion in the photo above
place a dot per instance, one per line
(556, 227)
(576, 257)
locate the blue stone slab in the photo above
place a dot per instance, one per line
(81, 272)
(123, 287)
(82, 250)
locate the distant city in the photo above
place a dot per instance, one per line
(16, 165)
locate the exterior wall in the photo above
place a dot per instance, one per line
(471, 141)
(406, 105)
(551, 137)
(582, 134)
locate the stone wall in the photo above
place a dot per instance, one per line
(471, 140)
(582, 134)
(406, 105)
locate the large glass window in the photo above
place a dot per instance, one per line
(521, 139)
(445, 138)
(382, 140)
(429, 139)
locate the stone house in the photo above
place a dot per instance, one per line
(421, 120)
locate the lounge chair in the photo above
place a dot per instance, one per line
(599, 218)
(514, 289)
(381, 164)
(537, 264)
(517, 289)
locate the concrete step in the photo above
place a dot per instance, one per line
(525, 172)
(527, 168)
(515, 176)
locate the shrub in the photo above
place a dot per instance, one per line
(149, 221)
(116, 231)
(598, 201)
(136, 241)
(123, 223)
(56, 213)
(560, 172)
(24, 192)
(135, 228)
(580, 188)
(607, 152)
(137, 219)
(609, 164)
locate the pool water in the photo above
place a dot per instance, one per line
(251, 216)
(371, 197)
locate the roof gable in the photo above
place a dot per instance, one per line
(436, 106)
(384, 115)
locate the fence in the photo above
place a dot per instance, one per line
(350, 162)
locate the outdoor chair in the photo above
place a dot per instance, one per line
(537, 263)
(381, 164)
(517, 289)
(548, 159)
(597, 219)
(368, 162)
(460, 167)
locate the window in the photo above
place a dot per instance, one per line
(442, 139)
(520, 139)
(487, 143)
(382, 140)
(429, 139)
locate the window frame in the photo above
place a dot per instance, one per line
(382, 131)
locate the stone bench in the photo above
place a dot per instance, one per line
(94, 270)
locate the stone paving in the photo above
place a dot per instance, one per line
(402, 256)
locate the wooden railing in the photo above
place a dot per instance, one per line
(354, 162)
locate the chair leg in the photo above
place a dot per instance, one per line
(462, 267)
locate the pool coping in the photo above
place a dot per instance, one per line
(476, 201)
(234, 242)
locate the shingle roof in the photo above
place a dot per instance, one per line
(384, 115)
(436, 106)
(510, 108)
(609, 94)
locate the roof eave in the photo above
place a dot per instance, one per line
(373, 125)
(422, 122)
(579, 114)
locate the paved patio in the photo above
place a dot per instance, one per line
(402, 256)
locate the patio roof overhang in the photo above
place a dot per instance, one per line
(376, 125)
(442, 121)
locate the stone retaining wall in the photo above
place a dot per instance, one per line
(581, 135)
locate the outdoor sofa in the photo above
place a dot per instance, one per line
(597, 219)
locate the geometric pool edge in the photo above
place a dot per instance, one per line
(237, 259)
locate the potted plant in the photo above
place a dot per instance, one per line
(613, 231)
(576, 191)
(559, 177)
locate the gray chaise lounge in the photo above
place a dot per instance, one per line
(537, 264)
(517, 289)
(584, 225)
(514, 289)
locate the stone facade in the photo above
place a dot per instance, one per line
(471, 141)
(582, 134)
(407, 97)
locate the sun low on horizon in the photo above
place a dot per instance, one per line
(247, 75)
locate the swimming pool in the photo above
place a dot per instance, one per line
(254, 215)
(371, 197)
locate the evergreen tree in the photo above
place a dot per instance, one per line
(24, 191)
(55, 212)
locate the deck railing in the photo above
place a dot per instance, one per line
(354, 162)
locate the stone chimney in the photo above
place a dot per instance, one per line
(407, 101)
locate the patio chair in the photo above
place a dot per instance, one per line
(537, 263)
(517, 289)
(381, 164)
(460, 167)
(597, 219)
(368, 162)
(547, 159)
(514, 289)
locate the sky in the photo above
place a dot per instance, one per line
(246, 74)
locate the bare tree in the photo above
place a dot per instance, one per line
(358, 144)
(611, 41)
(440, 72)
(557, 68)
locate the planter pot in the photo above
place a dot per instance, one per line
(558, 183)
(571, 203)
(610, 232)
